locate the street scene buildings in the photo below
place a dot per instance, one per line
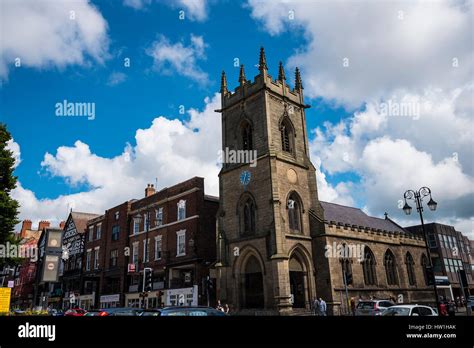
(266, 245)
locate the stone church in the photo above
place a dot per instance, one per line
(274, 233)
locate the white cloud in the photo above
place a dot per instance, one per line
(194, 10)
(169, 150)
(170, 58)
(15, 149)
(416, 53)
(44, 34)
(137, 4)
(387, 49)
(116, 78)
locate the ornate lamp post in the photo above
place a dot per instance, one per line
(418, 196)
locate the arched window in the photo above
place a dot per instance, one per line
(368, 267)
(246, 133)
(294, 213)
(247, 216)
(425, 265)
(390, 268)
(287, 135)
(410, 270)
(346, 266)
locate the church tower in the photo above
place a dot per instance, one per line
(269, 208)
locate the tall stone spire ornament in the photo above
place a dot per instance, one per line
(281, 73)
(242, 78)
(224, 89)
(298, 82)
(262, 62)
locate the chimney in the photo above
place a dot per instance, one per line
(43, 224)
(26, 225)
(62, 224)
(150, 189)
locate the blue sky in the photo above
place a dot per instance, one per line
(363, 157)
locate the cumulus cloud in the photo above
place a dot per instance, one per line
(388, 45)
(15, 149)
(116, 78)
(169, 150)
(57, 34)
(176, 58)
(137, 4)
(194, 10)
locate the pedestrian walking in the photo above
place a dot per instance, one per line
(316, 306)
(322, 307)
(451, 308)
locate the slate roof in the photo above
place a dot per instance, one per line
(80, 220)
(355, 216)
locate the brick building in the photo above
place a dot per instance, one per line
(173, 232)
(105, 260)
(451, 252)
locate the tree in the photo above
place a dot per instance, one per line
(8, 206)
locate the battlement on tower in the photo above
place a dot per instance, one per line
(263, 80)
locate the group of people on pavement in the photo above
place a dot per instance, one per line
(447, 307)
(319, 307)
(221, 308)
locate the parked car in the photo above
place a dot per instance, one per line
(116, 312)
(56, 313)
(75, 312)
(470, 302)
(372, 307)
(150, 313)
(189, 311)
(409, 310)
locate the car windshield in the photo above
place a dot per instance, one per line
(365, 305)
(393, 311)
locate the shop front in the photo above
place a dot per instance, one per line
(110, 301)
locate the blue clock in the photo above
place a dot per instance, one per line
(245, 178)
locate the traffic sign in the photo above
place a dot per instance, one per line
(5, 295)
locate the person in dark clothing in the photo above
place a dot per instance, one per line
(451, 308)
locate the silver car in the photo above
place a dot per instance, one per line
(372, 307)
(410, 310)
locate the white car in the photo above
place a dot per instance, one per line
(409, 310)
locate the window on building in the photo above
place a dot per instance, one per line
(158, 247)
(368, 267)
(181, 210)
(115, 232)
(91, 233)
(113, 258)
(247, 215)
(96, 258)
(145, 222)
(88, 260)
(294, 213)
(246, 131)
(181, 243)
(159, 216)
(98, 231)
(146, 250)
(390, 268)
(287, 135)
(135, 253)
(410, 269)
(346, 268)
(136, 225)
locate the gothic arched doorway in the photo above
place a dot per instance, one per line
(253, 296)
(297, 282)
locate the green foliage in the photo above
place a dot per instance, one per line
(8, 206)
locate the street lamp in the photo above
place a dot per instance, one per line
(418, 196)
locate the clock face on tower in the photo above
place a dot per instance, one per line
(245, 178)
